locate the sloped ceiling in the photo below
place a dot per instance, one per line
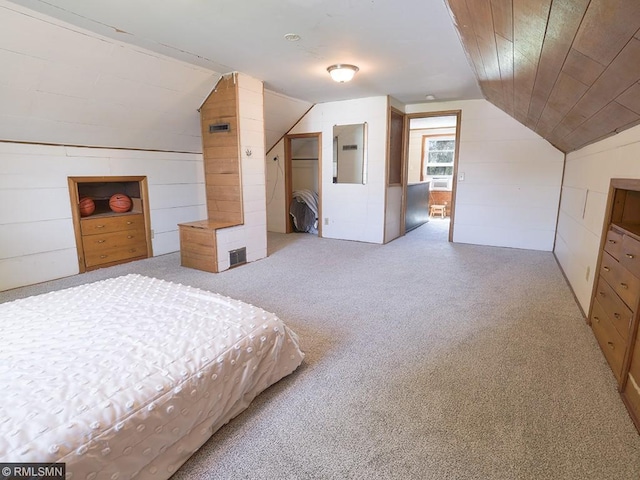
(567, 69)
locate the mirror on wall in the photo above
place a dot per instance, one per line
(349, 153)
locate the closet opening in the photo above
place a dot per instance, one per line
(303, 172)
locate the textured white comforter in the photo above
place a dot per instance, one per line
(127, 377)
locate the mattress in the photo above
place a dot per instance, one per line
(127, 377)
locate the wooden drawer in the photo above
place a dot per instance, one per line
(98, 225)
(613, 243)
(619, 314)
(107, 255)
(198, 248)
(612, 345)
(630, 255)
(625, 284)
(125, 238)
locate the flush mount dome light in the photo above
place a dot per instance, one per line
(342, 72)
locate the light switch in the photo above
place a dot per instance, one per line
(461, 177)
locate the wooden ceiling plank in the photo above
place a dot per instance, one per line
(505, 60)
(502, 12)
(566, 92)
(607, 27)
(564, 21)
(621, 74)
(482, 20)
(582, 68)
(606, 122)
(463, 22)
(529, 27)
(631, 98)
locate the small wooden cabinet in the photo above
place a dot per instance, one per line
(615, 305)
(107, 238)
(198, 248)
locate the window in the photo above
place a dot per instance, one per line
(438, 154)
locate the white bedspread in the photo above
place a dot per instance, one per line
(127, 377)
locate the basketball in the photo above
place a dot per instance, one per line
(86, 206)
(120, 203)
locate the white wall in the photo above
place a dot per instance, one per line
(282, 113)
(511, 190)
(37, 241)
(584, 196)
(354, 211)
(252, 234)
(63, 85)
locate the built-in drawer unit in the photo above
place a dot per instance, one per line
(615, 312)
(108, 234)
(113, 246)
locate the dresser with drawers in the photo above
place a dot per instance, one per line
(105, 237)
(113, 239)
(615, 304)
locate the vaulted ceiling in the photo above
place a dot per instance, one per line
(567, 69)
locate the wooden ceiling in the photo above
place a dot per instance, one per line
(567, 69)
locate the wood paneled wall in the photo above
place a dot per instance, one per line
(222, 153)
(567, 69)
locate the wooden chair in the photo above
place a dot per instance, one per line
(438, 210)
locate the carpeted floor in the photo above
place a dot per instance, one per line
(425, 360)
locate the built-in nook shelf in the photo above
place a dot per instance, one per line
(105, 237)
(101, 192)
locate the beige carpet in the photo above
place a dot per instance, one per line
(425, 360)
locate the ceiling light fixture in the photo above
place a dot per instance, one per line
(430, 97)
(292, 37)
(342, 72)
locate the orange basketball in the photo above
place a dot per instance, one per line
(86, 206)
(120, 203)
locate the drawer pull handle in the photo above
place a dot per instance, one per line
(617, 316)
(132, 250)
(602, 294)
(624, 285)
(629, 255)
(129, 236)
(100, 241)
(605, 268)
(99, 226)
(597, 319)
(129, 222)
(612, 241)
(103, 256)
(611, 345)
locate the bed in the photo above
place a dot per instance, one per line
(127, 377)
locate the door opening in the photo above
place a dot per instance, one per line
(432, 158)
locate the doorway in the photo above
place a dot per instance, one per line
(432, 157)
(303, 182)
